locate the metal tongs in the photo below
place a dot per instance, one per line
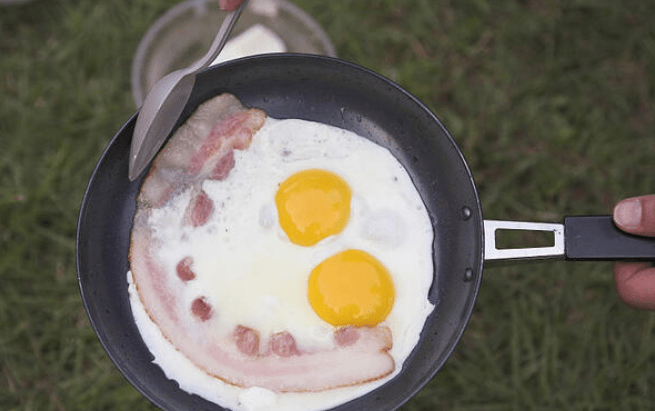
(168, 97)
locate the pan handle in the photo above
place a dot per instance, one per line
(598, 238)
(579, 238)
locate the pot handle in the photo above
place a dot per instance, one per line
(579, 238)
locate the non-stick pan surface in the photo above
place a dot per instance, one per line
(314, 88)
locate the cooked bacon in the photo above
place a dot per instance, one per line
(283, 344)
(346, 336)
(223, 166)
(364, 361)
(184, 270)
(247, 340)
(201, 309)
(236, 126)
(199, 210)
(151, 280)
(199, 151)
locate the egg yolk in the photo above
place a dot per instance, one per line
(312, 205)
(351, 288)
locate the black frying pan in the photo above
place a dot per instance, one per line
(340, 94)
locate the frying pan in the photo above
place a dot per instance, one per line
(344, 95)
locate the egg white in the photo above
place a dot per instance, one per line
(252, 275)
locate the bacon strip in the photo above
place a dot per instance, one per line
(346, 336)
(364, 361)
(184, 269)
(223, 166)
(283, 344)
(201, 309)
(199, 210)
(247, 341)
(199, 151)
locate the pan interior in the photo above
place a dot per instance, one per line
(319, 89)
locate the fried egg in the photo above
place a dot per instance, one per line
(314, 228)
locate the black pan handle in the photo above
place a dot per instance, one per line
(598, 238)
(579, 238)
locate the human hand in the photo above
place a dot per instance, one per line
(635, 282)
(229, 5)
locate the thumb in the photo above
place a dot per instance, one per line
(636, 215)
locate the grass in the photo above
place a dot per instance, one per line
(552, 103)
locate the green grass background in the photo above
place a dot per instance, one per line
(552, 103)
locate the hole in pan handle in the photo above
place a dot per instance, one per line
(579, 238)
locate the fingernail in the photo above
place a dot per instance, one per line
(627, 213)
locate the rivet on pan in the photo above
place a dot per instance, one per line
(465, 213)
(468, 275)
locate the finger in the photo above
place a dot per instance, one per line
(229, 5)
(635, 284)
(636, 215)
